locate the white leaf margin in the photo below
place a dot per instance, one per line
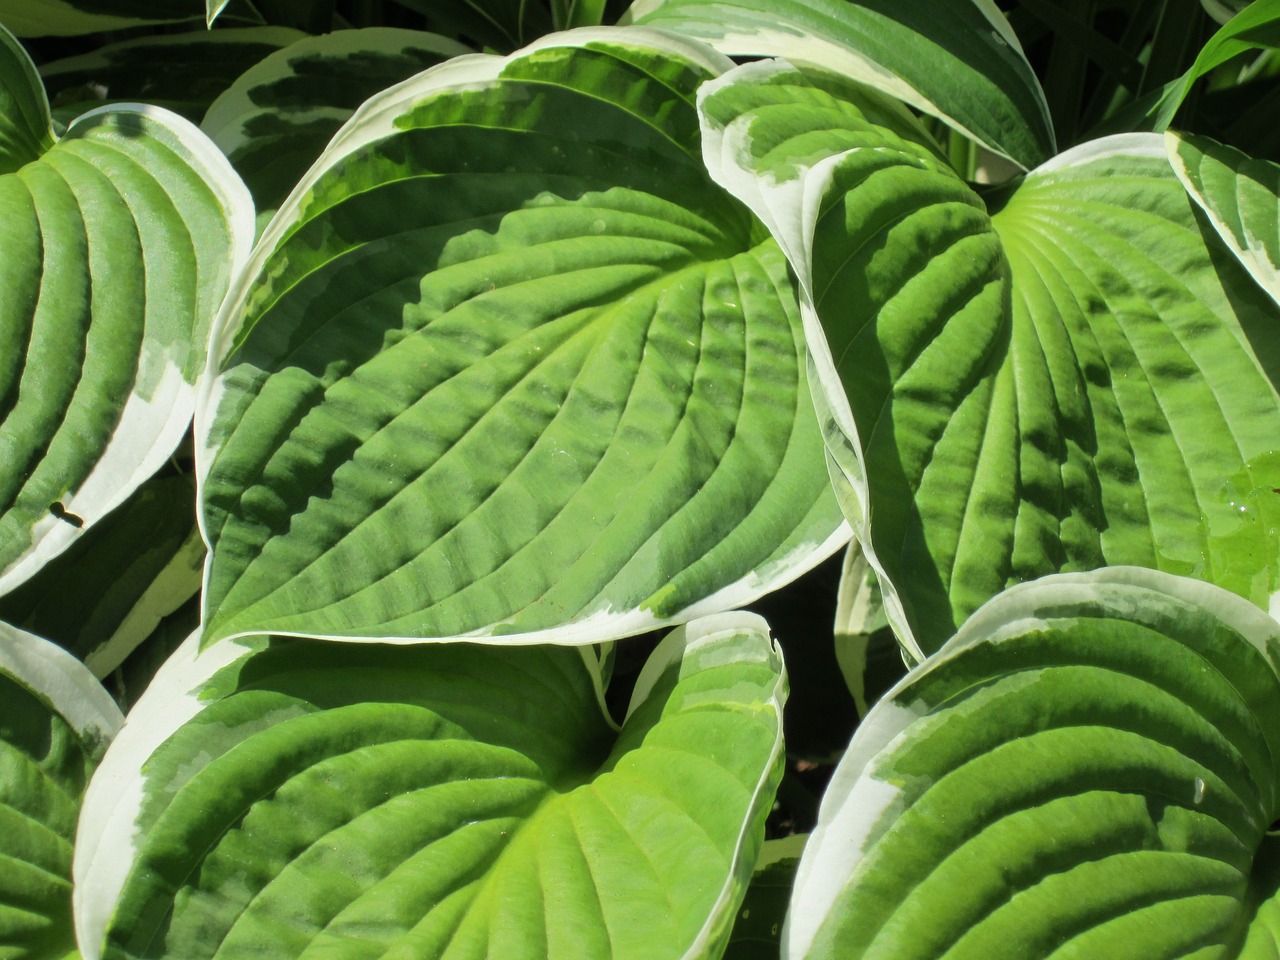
(855, 803)
(1249, 249)
(786, 43)
(229, 115)
(791, 208)
(150, 426)
(108, 835)
(374, 120)
(62, 681)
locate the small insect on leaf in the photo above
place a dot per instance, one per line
(61, 512)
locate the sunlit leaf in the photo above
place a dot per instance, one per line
(1088, 769)
(509, 361)
(119, 243)
(55, 721)
(288, 797)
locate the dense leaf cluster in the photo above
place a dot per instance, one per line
(376, 377)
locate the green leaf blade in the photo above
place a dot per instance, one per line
(961, 63)
(1069, 374)
(123, 237)
(482, 802)
(56, 721)
(588, 407)
(1240, 195)
(1071, 769)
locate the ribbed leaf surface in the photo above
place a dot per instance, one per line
(118, 247)
(1061, 377)
(511, 361)
(1088, 769)
(310, 799)
(1241, 197)
(55, 721)
(274, 121)
(959, 61)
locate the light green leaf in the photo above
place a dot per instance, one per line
(274, 121)
(106, 594)
(119, 243)
(43, 18)
(1088, 769)
(958, 61)
(1058, 376)
(1241, 197)
(288, 798)
(508, 361)
(55, 721)
(183, 72)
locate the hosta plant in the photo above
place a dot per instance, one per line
(373, 374)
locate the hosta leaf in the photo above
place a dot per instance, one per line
(274, 121)
(1061, 376)
(42, 18)
(1088, 769)
(508, 361)
(107, 593)
(184, 72)
(1241, 197)
(55, 721)
(290, 798)
(958, 61)
(119, 242)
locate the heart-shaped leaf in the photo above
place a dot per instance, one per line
(1057, 375)
(55, 722)
(289, 798)
(508, 360)
(1088, 769)
(119, 242)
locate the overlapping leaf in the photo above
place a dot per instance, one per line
(1059, 376)
(958, 61)
(55, 721)
(274, 121)
(1241, 197)
(291, 798)
(508, 360)
(1088, 769)
(119, 241)
(183, 72)
(105, 595)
